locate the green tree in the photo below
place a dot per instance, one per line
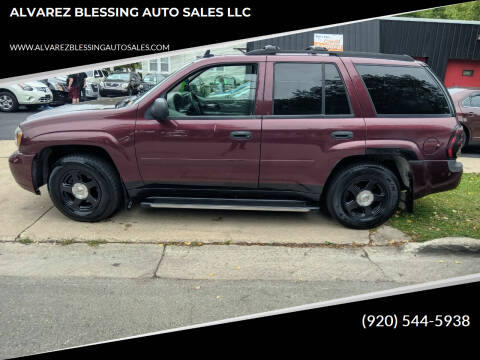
(465, 11)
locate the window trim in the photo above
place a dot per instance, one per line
(310, 116)
(435, 79)
(223, 117)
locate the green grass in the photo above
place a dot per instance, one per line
(66, 242)
(95, 243)
(25, 241)
(450, 213)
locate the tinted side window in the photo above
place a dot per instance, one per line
(309, 89)
(475, 101)
(297, 89)
(336, 102)
(397, 90)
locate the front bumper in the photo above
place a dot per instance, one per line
(432, 176)
(114, 92)
(21, 168)
(34, 97)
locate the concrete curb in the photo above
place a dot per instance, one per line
(444, 245)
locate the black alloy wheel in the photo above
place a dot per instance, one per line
(363, 196)
(85, 187)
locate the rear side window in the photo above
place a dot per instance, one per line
(309, 89)
(403, 90)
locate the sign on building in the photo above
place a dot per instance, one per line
(333, 42)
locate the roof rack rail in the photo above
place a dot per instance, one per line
(274, 50)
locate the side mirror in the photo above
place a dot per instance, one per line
(160, 109)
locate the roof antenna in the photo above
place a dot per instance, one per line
(207, 54)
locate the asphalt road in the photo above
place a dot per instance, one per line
(46, 314)
(9, 122)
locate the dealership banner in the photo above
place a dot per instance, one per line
(332, 42)
(50, 35)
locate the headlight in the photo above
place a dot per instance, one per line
(18, 136)
(101, 84)
(25, 87)
(125, 86)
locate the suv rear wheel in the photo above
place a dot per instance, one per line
(363, 196)
(85, 187)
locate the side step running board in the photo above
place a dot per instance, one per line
(228, 204)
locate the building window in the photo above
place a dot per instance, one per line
(165, 64)
(153, 66)
(467, 73)
(159, 65)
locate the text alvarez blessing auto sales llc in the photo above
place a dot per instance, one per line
(99, 12)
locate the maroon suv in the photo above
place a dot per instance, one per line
(272, 130)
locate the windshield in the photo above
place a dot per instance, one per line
(119, 76)
(138, 99)
(151, 79)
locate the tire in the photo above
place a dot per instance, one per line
(8, 102)
(379, 192)
(98, 195)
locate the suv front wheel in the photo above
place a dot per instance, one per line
(363, 196)
(85, 187)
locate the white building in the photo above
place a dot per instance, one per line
(169, 64)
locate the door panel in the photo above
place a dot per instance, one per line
(300, 151)
(199, 150)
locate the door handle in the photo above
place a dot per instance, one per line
(212, 106)
(240, 135)
(342, 135)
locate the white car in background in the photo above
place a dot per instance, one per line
(93, 81)
(31, 94)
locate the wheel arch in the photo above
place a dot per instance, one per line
(47, 157)
(396, 160)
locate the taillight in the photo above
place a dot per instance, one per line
(455, 142)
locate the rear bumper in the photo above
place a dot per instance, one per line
(434, 176)
(21, 168)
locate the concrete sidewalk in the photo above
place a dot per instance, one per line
(234, 262)
(33, 218)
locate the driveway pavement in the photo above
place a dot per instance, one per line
(32, 217)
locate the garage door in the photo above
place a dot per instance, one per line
(462, 73)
